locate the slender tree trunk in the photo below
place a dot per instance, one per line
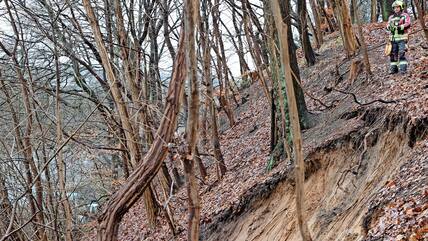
(373, 11)
(222, 66)
(317, 20)
(205, 43)
(422, 17)
(202, 169)
(352, 11)
(314, 32)
(176, 175)
(412, 3)
(295, 126)
(254, 49)
(60, 158)
(260, 38)
(362, 39)
(386, 8)
(166, 31)
(191, 20)
(330, 21)
(342, 15)
(306, 119)
(304, 37)
(119, 101)
(240, 47)
(28, 152)
(277, 77)
(50, 192)
(150, 204)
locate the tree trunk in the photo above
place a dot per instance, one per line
(18, 137)
(132, 130)
(306, 119)
(260, 38)
(202, 169)
(317, 20)
(119, 101)
(139, 180)
(240, 48)
(254, 49)
(191, 20)
(205, 43)
(166, 31)
(386, 8)
(352, 11)
(277, 78)
(60, 158)
(304, 36)
(342, 15)
(362, 39)
(314, 32)
(422, 17)
(294, 118)
(373, 11)
(221, 65)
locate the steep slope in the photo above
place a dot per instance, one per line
(367, 164)
(347, 178)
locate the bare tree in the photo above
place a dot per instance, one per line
(342, 15)
(362, 39)
(306, 43)
(191, 20)
(294, 118)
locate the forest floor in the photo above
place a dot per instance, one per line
(367, 159)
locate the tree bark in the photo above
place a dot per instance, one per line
(304, 36)
(255, 50)
(306, 119)
(221, 65)
(60, 157)
(205, 43)
(422, 17)
(386, 8)
(362, 39)
(191, 21)
(240, 47)
(373, 11)
(294, 118)
(342, 15)
(139, 180)
(317, 20)
(202, 169)
(119, 101)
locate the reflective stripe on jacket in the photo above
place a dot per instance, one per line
(401, 22)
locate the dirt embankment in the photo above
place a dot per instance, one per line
(367, 164)
(347, 179)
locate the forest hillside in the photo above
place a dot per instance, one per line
(366, 162)
(214, 120)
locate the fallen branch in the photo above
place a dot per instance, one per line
(368, 103)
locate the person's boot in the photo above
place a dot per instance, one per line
(393, 69)
(403, 68)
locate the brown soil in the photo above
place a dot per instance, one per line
(345, 178)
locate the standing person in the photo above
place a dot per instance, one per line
(398, 25)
